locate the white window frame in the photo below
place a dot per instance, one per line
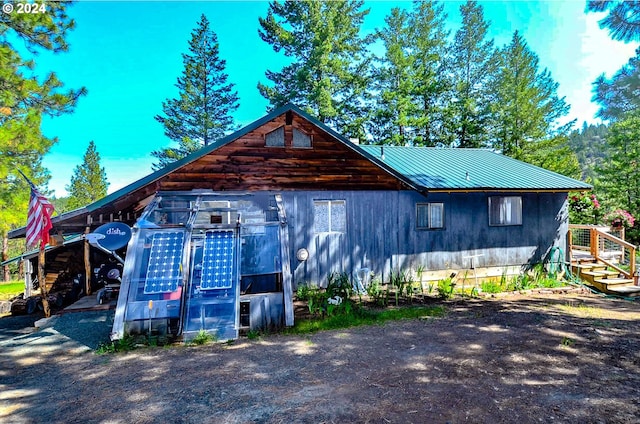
(430, 223)
(508, 208)
(330, 225)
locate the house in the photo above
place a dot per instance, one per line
(223, 236)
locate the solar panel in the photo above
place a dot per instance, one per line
(218, 260)
(164, 271)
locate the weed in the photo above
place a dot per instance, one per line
(124, 344)
(566, 341)
(361, 316)
(445, 288)
(253, 335)
(303, 291)
(202, 338)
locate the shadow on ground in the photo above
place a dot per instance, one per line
(539, 359)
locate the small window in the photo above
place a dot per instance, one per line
(329, 216)
(429, 216)
(505, 210)
(275, 138)
(300, 139)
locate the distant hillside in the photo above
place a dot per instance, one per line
(590, 146)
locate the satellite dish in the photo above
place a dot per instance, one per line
(115, 235)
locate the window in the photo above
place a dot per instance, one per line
(329, 216)
(301, 139)
(429, 216)
(275, 138)
(505, 210)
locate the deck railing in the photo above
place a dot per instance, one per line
(604, 246)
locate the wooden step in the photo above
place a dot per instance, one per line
(614, 281)
(630, 291)
(601, 274)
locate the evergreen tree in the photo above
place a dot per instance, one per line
(589, 145)
(527, 111)
(432, 89)
(327, 74)
(393, 82)
(202, 113)
(622, 20)
(472, 68)
(411, 84)
(618, 95)
(25, 97)
(89, 180)
(620, 173)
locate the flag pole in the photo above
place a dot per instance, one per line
(42, 282)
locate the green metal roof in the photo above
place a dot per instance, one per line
(469, 169)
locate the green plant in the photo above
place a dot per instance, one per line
(124, 344)
(399, 280)
(253, 335)
(375, 291)
(566, 341)
(203, 337)
(362, 316)
(303, 292)
(491, 287)
(339, 284)
(445, 288)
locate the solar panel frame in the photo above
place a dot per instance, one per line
(164, 269)
(218, 260)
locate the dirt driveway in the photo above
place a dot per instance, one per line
(556, 358)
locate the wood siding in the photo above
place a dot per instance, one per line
(247, 164)
(381, 233)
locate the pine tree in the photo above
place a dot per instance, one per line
(620, 173)
(202, 113)
(527, 110)
(411, 84)
(89, 180)
(432, 88)
(25, 97)
(622, 20)
(618, 95)
(471, 70)
(394, 84)
(327, 75)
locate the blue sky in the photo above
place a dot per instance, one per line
(128, 55)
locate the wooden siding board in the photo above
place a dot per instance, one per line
(381, 233)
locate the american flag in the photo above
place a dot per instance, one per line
(38, 218)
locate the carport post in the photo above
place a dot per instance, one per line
(87, 264)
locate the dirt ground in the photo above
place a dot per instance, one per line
(539, 358)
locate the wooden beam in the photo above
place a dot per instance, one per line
(287, 278)
(87, 264)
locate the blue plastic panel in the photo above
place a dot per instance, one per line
(164, 271)
(218, 260)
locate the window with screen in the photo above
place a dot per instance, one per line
(429, 216)
(300, 139)
(275, 138)
(505, 210)
(329, 216)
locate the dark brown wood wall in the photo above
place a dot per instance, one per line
(247, 164)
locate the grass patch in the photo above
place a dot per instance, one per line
(11, 289)
(363, 316)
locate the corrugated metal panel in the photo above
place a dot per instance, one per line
(469, 169)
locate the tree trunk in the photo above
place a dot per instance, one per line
(6, 275)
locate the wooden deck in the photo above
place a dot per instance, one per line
(89, 303)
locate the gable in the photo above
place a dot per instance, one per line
(285, 153)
